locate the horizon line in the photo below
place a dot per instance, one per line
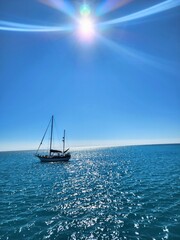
(81, 148)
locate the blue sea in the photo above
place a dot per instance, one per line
(108, 193)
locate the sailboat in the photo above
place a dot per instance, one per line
(53, 154)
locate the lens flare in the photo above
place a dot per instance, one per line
(21, 27)
(86, 27)
(160, 7)
(85, 10)
(61, 5)
(110, 5)
(135, 56)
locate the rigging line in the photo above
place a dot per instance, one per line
(43, 137)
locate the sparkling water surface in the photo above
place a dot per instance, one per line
(111, 193)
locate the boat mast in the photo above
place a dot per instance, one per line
(63, 142)
(51, 134)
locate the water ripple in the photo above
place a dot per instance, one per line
(112, 193)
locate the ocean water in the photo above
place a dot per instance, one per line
(111, 193)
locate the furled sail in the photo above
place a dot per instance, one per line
(66, 150)
(55, 151)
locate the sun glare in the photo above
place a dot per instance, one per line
(86, 30)
(86, 24)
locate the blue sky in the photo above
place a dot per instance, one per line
(123, 87)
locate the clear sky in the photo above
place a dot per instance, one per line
(119, 85)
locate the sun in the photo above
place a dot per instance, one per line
(86, 29)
